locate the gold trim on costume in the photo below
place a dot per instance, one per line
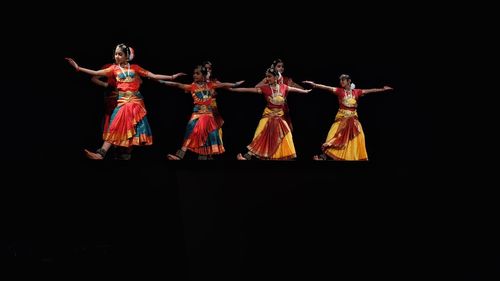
(347, 113)
(127, 94)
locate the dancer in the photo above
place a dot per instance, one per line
(128, 123)
(279, 66)
(203, 132)
(345, 140)
(273, 137)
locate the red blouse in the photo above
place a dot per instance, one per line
(127, 79)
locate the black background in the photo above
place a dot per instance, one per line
(230, 219)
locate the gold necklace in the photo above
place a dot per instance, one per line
(204, 91)
(275, 92)
(348, 93)
(349, 99)
(128, 70)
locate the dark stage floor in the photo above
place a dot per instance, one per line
(238, 220)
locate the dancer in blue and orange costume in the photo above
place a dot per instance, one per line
(203, 131)
(128, 125)
(110, 103)
(346, 139)
(273, 137)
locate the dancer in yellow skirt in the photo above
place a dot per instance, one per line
(273, 138)
(345, 140)
(279, 66)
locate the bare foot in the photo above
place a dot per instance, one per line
(173, 157)
(317, 158)
(93, 155)
(240, 157)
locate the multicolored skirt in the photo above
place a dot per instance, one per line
(128, 123)
(203, 133)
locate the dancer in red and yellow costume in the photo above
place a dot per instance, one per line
(279, 66)
(345, 140)
(273, 137)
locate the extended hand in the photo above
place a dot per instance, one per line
(178, 74)
(72, 63)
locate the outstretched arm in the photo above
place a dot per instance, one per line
(261, 83)
(385, 88)
(185, 87)
(297, 90)
(165, 77)
(228, 85)
(319, 86)
(101, 72)
(246, 90)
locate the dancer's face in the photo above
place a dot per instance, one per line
(344, 82)
(280, 67)
(197, 75)
(208, 67)
(209, 70)
(271, 79)
(120, 56)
